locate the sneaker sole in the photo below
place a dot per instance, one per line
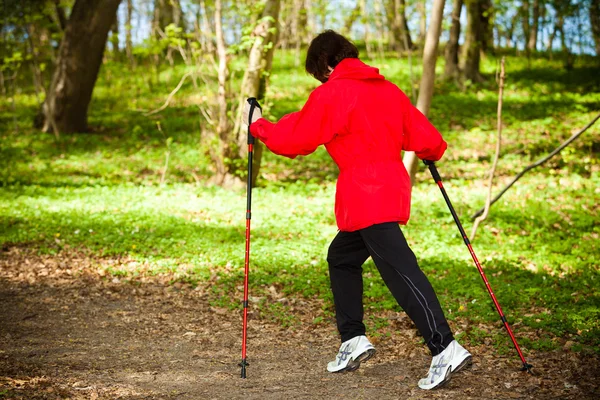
(465, 363)
(353, 365)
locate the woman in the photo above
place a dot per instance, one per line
(365, 122)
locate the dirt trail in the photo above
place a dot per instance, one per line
(68, 332)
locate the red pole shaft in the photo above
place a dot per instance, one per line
(244, 363)
(438, 180)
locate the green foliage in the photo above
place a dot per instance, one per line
(101, 192)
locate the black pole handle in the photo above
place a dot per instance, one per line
(434, 172)
(253, 104)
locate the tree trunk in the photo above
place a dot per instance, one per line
(255, 81)
(428, 78)
(472, 45)
(533, 34)
(78, 64)
(399, 34)
(168, 12)
(114, 37)
(351, 19)
(451, 52)
(510, 32)
(485, 27)
(595, 20)
(311, 18)
(206, 42)
(379, 24)
(223, 140)
(551, 39)
(60, 14)
(297, 29)
(525, 21)
(422, 8)
(285, 26)
(404, 31)
(128, 41)
(366, 22)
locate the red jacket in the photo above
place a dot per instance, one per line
(364, 121)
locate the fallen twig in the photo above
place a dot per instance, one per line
(540, 162)
(486, 209)
(183, 78)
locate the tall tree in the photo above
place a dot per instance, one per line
(114, 37)
(255, 79)
(486, 25)
(422, 9)
(432, 39)
(80, 57)
(524, 11)
(167, 12)
(223, 135)
(451, 69)
(128, 26)
(535, 23)
(595, 20)
(400, 35)
(472, 45)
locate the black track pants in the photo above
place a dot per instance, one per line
(398, 267)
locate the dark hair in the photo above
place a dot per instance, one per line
(327, 50)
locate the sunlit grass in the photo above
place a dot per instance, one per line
(101, 192)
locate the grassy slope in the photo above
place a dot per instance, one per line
(101, 192)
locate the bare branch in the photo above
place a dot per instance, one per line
(486, 210)
(183, 78)
(540, 162)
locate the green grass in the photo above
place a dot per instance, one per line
(101, 192)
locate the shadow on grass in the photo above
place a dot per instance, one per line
(537, 300)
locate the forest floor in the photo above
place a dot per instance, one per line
(68, 330)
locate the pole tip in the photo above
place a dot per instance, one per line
(527, 367)
(243, 364)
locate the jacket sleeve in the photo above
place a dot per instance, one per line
(300, 133)
(421, 136)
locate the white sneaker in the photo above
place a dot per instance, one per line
(452, 359)
(352, 353)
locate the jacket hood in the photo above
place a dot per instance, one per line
(353, 68)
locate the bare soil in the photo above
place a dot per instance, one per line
(67, 330)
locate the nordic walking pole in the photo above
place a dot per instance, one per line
(253, 105)
(438, 180)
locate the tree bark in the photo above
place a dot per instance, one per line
(128, 40)
(404, 31)
(379, 24)
(422, 8)
(168, 12)
(206, 42)
(428, 78)
(78, 64)
(60, 14)
(297, 29)
(472, 45)
(223, 139)
(451, 69)
(399, 34)
(595, 20)
(366, 22)
(311, 21)
(114, 37)
(525, 21)
(535, 23)
(486, 33)
(255, 79)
